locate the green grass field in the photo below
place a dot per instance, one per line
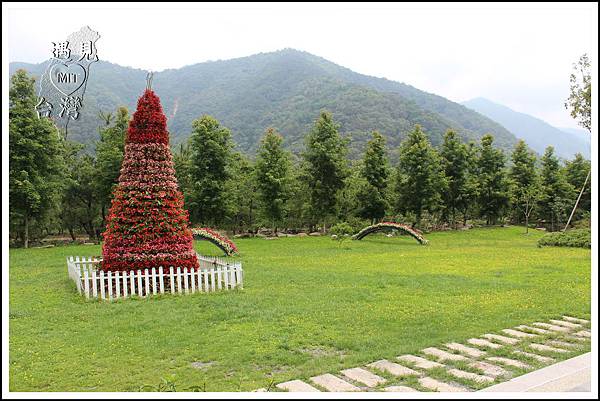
(308, 307)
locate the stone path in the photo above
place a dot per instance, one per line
(459, 367)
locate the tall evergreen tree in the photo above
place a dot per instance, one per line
(325, 166)
(211, 152)
(455, 163)
(523, 181)
(491, 181)
(420, 179)
(109, 156)
(557, 194)
(272, 176)
(35, 152)
(242, 193)
(576, 172)
(372, 201)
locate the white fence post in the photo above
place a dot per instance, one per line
(153, 281)
(124, 284)
(132, 281)
(139, 282)
(172, 280)
(94, 284)
(110, 285)
(117, 285)
(161, 279)
(147, 278)
(179, 279)
(102, 284)
(86, 284)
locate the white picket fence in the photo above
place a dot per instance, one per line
(214, 274)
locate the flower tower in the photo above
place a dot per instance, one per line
(147, 225)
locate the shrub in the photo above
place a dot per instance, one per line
(579, 238)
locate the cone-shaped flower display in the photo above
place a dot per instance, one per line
(147, 225)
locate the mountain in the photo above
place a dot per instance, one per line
(537, 133)
(285, 89)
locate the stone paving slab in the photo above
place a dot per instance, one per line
(539, 358)
(502, 339)
(546, 348)
(563, 344)
(552, 327)
(569, 325)
(436, 385)
(296, 386)
(470, 376)
(583, 334)
(443, 355)
(363, 376)
(472, 352)
(534, 329)
(518, 334)
(489, 369)
(419, 362)
(510, 362)
(400, 389)
(393, 368)
(333, 383)
(575, 320)
(483, 343)
(564, 376)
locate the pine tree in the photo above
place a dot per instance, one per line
(109, 156)
(372, 196)
(456, 165)
(576, 171)
(491, 181)
(325, 166)
(211, 152)
(272, 176)
(241, 190)
(524, 185)
(420, 179)
(147, 225)
(36, 164)
(557, 194)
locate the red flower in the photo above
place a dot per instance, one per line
(147, 225)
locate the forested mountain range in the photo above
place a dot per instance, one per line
(537, 133)
(284, 89)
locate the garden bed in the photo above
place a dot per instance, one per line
(212, 275)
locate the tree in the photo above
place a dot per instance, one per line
(420, 179)
(557, 194)
(576, 172)
(272, 176)
(455, 164)
(491, 181)
(109, 156)
(182, 162)
(147, 225)
(579, 101)
(211, 152)
(241, 191)
(375, 171)
(325, 166)
(523, 181)
(81, 205)
(35, 157)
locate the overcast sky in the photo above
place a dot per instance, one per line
(520, 56)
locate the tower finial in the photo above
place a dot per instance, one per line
(149, 77)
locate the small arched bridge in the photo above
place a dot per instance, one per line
(221, 241)
(416, 234)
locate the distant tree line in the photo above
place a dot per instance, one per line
(55, 187)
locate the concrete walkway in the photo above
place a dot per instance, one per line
(572, 375)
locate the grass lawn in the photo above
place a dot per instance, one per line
(308, 307)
